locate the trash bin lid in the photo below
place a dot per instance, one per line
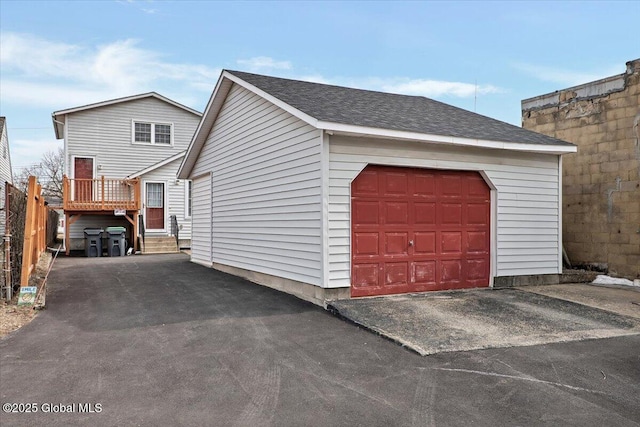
(117, 230)
(93, 231)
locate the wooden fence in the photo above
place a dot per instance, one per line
(35, 230)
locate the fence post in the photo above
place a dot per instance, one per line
(8, 286)
(29, 232)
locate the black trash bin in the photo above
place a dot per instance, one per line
(116, 245)
(93, 242)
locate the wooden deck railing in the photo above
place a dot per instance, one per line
(101, 194)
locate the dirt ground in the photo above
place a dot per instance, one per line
(12, 316)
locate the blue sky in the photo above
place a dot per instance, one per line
(486, 56)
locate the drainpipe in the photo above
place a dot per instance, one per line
(66, 172)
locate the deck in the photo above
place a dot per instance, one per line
(101, 196)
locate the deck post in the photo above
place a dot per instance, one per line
(102, 191)
(135, 231)
(67, 246)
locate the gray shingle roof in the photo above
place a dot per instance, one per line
(359, 107)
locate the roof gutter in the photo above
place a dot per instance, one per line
(58, 126)
(361, 131)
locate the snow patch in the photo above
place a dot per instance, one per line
(608, 280)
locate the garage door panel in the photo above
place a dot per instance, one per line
(424, 213)
(451, 213)
(424, 184)
(416, 230)
(424, 272)
(396, 213)
(450, 186)
(424, 242)
(396, 183)
(365, 244)
(367, 183)
(365, 275)
(476, 269)
(477, 187)
(451, 242)
(477, 213)
(450, 271)
(396, 273)
(366, 213)
(477, 241)
(396, 243)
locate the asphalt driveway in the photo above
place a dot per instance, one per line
(157, 340)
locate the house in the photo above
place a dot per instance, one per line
(330, 192)
(601, 195)
(6, 173)
(6, 177)
(121, 160)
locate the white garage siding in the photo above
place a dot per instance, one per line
(528, 231)
(266, 189)
(201, 220)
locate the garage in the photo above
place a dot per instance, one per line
(329, 192)
(417, 230)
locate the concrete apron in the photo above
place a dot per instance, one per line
(474, 319)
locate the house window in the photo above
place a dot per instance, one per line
(163, 134)
(143, 132)
(187, 199)
(152, 133)
(154, 195)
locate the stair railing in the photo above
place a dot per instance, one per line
(141, 230)
(175, 230)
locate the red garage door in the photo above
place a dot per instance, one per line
(418, 230)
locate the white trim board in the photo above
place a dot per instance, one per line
(157, 165)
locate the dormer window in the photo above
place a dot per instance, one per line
(152, 133)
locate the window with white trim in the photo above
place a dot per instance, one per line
(152, 133)
(188, 199)
(155, 195)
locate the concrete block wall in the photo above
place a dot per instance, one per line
(601, 182)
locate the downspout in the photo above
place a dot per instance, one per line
(66, 172)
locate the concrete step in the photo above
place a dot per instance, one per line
(160, 245)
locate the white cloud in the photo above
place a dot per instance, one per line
(564, 76)
(60, 75)
(437, 88)
(148, 11)
(46, 75)
(27, 152)
(418, 87)
(263, 63)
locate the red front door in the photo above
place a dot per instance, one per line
(418, 230)
(83, 179)
(154, 210)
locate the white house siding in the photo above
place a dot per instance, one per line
(175, 191)
(201, 220)
(527, 236)
(266, 189)
(5, 171)
(104, 133)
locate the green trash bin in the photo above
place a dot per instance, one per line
(116, 243)
(92, 242)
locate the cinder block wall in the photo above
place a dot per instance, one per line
(601, 182)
